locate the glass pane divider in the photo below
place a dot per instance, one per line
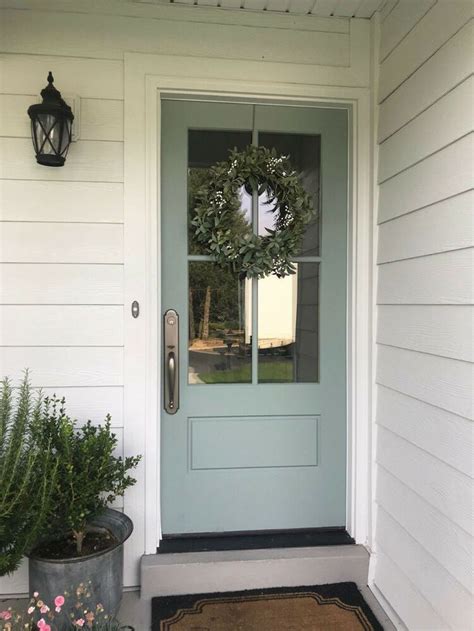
(307, 259)
(200, 257)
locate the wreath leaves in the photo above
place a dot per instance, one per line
(219, 223)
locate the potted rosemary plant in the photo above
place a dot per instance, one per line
(86, 537)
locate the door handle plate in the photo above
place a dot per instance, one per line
(171, 361)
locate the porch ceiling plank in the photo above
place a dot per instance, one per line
(207, 3)
(24, 242)
(452, 603)
(436, 380)
(436, 329)
(255, 5)
(368, 7)
(416, 139)
(428, 84)
(347, 8)
(447, 542)
(429, 35)
(231, 4)
(302, 7)
(399, 22)
(444, 435)
(442, 175)
(100, 119)
(87, 161)
(46, 325)
(441, 227)
(26, 73)
(61, 284)
(68, 202)
(277, 6)
(324, 7)
(66, 367)
(442, 279)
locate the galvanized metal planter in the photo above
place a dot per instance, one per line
(103, 569)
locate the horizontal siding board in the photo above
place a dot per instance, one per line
(442, 175)
(415, 611)
(91, 403)
(111, 35)
(450, 117)
(443, 382)
(444, 435)
(430, 33)
(100, 119)
(446, 489)
(61, 201)
(445, 541)
(47, 325)
(399, 23)
(87, 160)
(451, 65)
(448, 598)
(442, 227)
(61, 243)
(443, 330)
(88, 78)
(439, 279)
(65, 367)
(58, 284)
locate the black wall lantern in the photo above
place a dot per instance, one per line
(51, 127)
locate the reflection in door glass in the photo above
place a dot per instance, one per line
(304, 154)
(288, 326)
(220, 320)
(205, 148)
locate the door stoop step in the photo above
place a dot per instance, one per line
(234, 570)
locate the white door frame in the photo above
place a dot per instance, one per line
(145, 86)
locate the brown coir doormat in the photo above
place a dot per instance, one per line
(337, 607)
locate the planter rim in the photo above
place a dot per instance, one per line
(125, 518)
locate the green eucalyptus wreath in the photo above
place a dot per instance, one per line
(219, 223)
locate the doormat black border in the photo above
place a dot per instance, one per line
(164, 607)
(301, 538)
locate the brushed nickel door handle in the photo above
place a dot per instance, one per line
(171, 367)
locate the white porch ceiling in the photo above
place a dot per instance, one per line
(321, 8)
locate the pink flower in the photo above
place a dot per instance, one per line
(80, 622)
(41, 624)
(5, 615)
(59, 601)
(57, 609)
(46, 628)
(30, 610)
(44, 609)
(35, 594)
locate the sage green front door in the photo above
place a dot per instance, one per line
(256, 437)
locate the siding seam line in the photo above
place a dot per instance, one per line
(423, 62)
(429, 155)
(425, 109)
(408, 32)
(423, 256)
(412, 350)
(426, 552)
(415, 210)
(433, 405)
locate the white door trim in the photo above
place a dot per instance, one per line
(144, 88)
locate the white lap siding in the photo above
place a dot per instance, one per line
(423, 536)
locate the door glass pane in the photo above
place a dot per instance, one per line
(220, 325)
(288, 326)
(304, 154)
(205, 148)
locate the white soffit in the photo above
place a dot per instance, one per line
(320, 8)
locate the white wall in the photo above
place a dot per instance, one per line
(63, 230)
(423, 537)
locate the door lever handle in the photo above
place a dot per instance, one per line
(171, 379)
(171, 361)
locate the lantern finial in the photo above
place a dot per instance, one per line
(50, 77)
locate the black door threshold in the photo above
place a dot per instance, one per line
(301, 538)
